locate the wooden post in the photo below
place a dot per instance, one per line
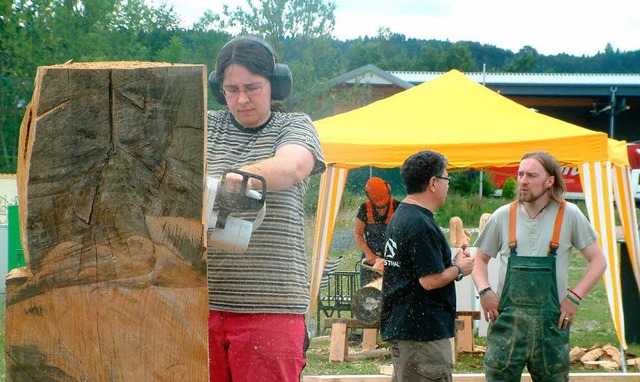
(339, 344)
(369, 339)
(454, 354)
(110, 185)
(339, 347)
(464, 330)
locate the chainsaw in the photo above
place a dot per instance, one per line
(227, 232)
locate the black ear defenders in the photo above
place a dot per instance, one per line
(281, 79)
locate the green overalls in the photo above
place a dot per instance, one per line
(526, 331)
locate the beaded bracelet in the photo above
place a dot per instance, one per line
(572, 299)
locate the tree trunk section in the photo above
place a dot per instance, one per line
(110, 183)
(367, 302)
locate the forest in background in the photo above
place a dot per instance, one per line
(47, 32)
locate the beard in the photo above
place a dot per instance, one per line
(530, 197)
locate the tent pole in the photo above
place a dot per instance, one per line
(612, 114)
(622, 360)
(484, 74)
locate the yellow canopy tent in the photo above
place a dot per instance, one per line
(474, 127)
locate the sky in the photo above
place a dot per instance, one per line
(575, 27)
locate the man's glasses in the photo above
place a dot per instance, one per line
(232, 92)
(444, 178)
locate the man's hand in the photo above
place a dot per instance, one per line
(464, 260)
(489, 302)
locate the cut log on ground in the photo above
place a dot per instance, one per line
(110, 181)
(606, 357)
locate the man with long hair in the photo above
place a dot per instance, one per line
(533, 307)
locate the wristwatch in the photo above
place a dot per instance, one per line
(460, 273)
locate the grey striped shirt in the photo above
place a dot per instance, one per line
(271, 276)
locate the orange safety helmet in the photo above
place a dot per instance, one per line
(378, 191)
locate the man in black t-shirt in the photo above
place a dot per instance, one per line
(418, 291)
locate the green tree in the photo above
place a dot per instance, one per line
(524, 61)
(360, 53)
(459, 57)
(431, 57)
(46, 32)
(509, 188)
(311, 72)
(392, 49)
(277, 20)
(24, 44)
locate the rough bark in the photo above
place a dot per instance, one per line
(110, 180)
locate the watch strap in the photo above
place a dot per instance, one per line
(460, 273)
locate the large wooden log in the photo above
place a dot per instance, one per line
(110, 181)
(367, 302)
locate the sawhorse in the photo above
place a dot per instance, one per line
(339, 348)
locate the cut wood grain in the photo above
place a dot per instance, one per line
(110, 181)
(366, 303)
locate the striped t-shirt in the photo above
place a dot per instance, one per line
(271, 276)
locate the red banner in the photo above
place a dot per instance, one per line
(570, 174)
(634, 155)
(501, 174)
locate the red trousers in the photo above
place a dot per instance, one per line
(256, 347)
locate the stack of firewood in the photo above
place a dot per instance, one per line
(607, 357)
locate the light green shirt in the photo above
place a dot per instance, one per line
(534, 236)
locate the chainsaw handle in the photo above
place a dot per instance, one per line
(247, 199)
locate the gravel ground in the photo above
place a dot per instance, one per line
(342, 240)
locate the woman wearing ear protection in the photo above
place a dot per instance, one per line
(257, 300)
(371, 224)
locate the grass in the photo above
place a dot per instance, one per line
(593, 325)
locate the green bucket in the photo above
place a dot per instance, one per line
(16, 256)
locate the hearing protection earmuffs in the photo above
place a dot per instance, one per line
(281, 79)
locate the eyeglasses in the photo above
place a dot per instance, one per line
(250, 90)
(444, 178)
